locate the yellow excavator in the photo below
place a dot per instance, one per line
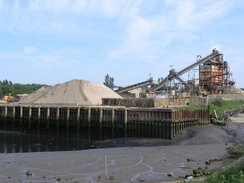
(8, 98)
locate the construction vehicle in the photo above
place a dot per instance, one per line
(9, 98)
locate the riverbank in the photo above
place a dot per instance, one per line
(219, 108)
(167, 161)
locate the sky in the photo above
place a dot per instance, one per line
(54, 41)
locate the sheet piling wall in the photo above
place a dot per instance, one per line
(106, 122)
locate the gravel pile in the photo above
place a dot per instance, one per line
(74, 92)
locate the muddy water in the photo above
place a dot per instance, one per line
(20, 136)
(23, 136)
(14, 142)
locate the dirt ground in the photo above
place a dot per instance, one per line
(151, 162)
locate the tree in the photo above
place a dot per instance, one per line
(1, 93)
(7, 87)
(109, 81)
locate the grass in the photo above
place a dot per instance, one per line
(232, 175)
(236, 152)
(220, 106)
(191, 107)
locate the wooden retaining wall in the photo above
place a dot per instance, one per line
(108, 122)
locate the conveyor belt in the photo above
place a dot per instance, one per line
(137, 85)
(183, 71)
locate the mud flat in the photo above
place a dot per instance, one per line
(152, 162)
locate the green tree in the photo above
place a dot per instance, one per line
(7, 87)
(109, 81)
(1, 93)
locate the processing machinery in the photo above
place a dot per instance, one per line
(214, 77)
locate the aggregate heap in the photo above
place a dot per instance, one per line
(74, 92)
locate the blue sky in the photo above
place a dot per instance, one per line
(53, 41)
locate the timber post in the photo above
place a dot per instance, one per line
(125, 122)
(89, 121)
(112, 120)
(100, 122)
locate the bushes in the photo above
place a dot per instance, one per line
(222, 106)
(232, 175)
(218, 102)
(7, 87)
(219, 105)
(236, 152)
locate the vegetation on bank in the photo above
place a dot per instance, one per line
(234, 174)
(222, 106)
(236, 152)
(219, 105)
(7, 87)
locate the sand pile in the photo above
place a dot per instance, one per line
(74, 92)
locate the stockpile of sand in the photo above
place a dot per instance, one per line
(74, 92)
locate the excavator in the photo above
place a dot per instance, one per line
(9, 98)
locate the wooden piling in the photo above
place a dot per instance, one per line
(112, 121)
(78, 114)
(162, 123)
(89, 121)
(5, 112)
(48, 112)
(171, 130)
(89, 115)
(13, 116)
(125, 122)
(38, 120)
(30, 112)
(29, 118)
(100, 122)
(48, 117)
(78, 122)
(57, 118)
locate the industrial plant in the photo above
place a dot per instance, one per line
(145, 109)
(214, 74)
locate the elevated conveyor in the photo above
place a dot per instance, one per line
(135, 86)
(176, 75)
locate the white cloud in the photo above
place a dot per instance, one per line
(192, 14)
(1, 4)
(181, 23)
(185, 10)
(35, 16)
(141, 37)
(16, 6)
(79, 5)
(52, 59)
(63, 17)
(56, 6)
(135, 41)
(114, 8)
(105, 7)
(29, 50)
